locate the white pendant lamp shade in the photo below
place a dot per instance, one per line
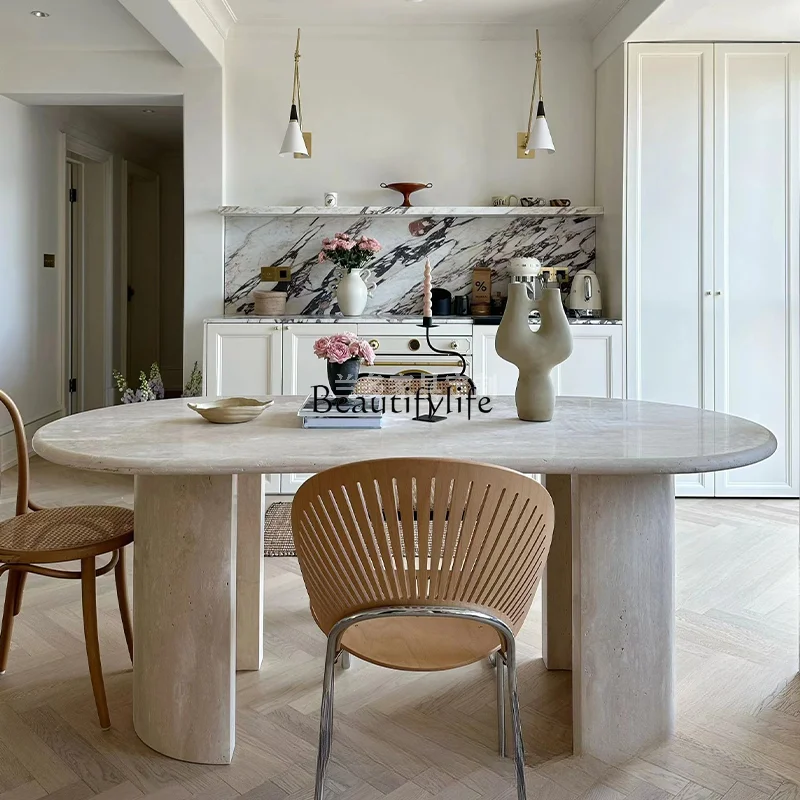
(540, 138)
(293, 142)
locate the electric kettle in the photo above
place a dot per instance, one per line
(585, 298)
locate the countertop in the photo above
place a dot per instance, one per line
(585, 436)
(387, 318)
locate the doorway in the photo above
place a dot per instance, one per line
(142, 254)
(88, 275)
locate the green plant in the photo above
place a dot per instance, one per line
(194, 386)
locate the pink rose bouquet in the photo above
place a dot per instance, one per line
(347, 252)
(342, 347)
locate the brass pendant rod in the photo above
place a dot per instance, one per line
(539, 65)
(536, 78)
(296, 85)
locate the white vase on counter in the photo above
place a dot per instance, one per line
(352, 291)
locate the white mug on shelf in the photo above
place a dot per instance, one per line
(508, 200)
(331, 199)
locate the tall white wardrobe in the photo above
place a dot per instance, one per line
(712, 240)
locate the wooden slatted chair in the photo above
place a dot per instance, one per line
(484, 535)
(37, 537)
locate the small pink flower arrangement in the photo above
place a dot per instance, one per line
(344, 251)
(342, 347)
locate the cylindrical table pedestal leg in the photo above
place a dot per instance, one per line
(557, 579)
(185, 616)
(623, 613)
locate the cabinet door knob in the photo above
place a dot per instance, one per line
(717, 294)
(708, 294)
(374, 344)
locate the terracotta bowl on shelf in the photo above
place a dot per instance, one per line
(406, 189)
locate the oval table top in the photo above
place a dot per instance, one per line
(589, 436)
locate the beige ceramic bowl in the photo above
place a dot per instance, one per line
(230, 410)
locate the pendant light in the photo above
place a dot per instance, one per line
(294, 142)
(538, 135)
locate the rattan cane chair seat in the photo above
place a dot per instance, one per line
(55, 534)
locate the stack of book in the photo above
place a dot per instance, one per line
(343, 412)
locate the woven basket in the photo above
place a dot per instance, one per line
(269, 304)
(401, 385)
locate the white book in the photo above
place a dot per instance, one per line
(343, 423)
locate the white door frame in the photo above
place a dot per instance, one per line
(68, 143)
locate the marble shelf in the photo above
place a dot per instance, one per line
(411, 211)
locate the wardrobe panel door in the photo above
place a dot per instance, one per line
(669, 302)
(756, 256)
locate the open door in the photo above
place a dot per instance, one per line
(143, 271)
(74, 285)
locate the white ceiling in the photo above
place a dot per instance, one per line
(407, 12)
(716, 20)
(72, 25)
(164, 127)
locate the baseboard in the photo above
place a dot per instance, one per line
(8, 445)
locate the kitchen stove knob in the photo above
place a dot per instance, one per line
(414, 344)
(374, 344)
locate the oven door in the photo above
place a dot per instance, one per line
(416, 365)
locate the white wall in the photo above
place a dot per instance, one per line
(30, 361)
(721, 20)
(610, 179)
(389, 107)
(203, 170)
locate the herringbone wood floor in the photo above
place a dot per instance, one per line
(421, 736)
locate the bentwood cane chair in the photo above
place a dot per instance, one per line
(422, 564)
(37, 536)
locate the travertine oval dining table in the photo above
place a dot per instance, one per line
(609, 589)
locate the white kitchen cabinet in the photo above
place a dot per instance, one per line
(302, 370)
(713, 275)
(669, 316)
(756, 264)
(593, 370)
(243, 360)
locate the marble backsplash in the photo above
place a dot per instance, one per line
(455, 245)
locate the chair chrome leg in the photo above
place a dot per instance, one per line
(500, 680)
(516, 722)
(331, 654)
(326, 717)
(344, 658)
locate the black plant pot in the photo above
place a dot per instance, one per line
(343, 377)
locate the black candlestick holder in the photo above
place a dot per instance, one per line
(427, 324)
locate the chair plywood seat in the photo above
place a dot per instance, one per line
(421, 644)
